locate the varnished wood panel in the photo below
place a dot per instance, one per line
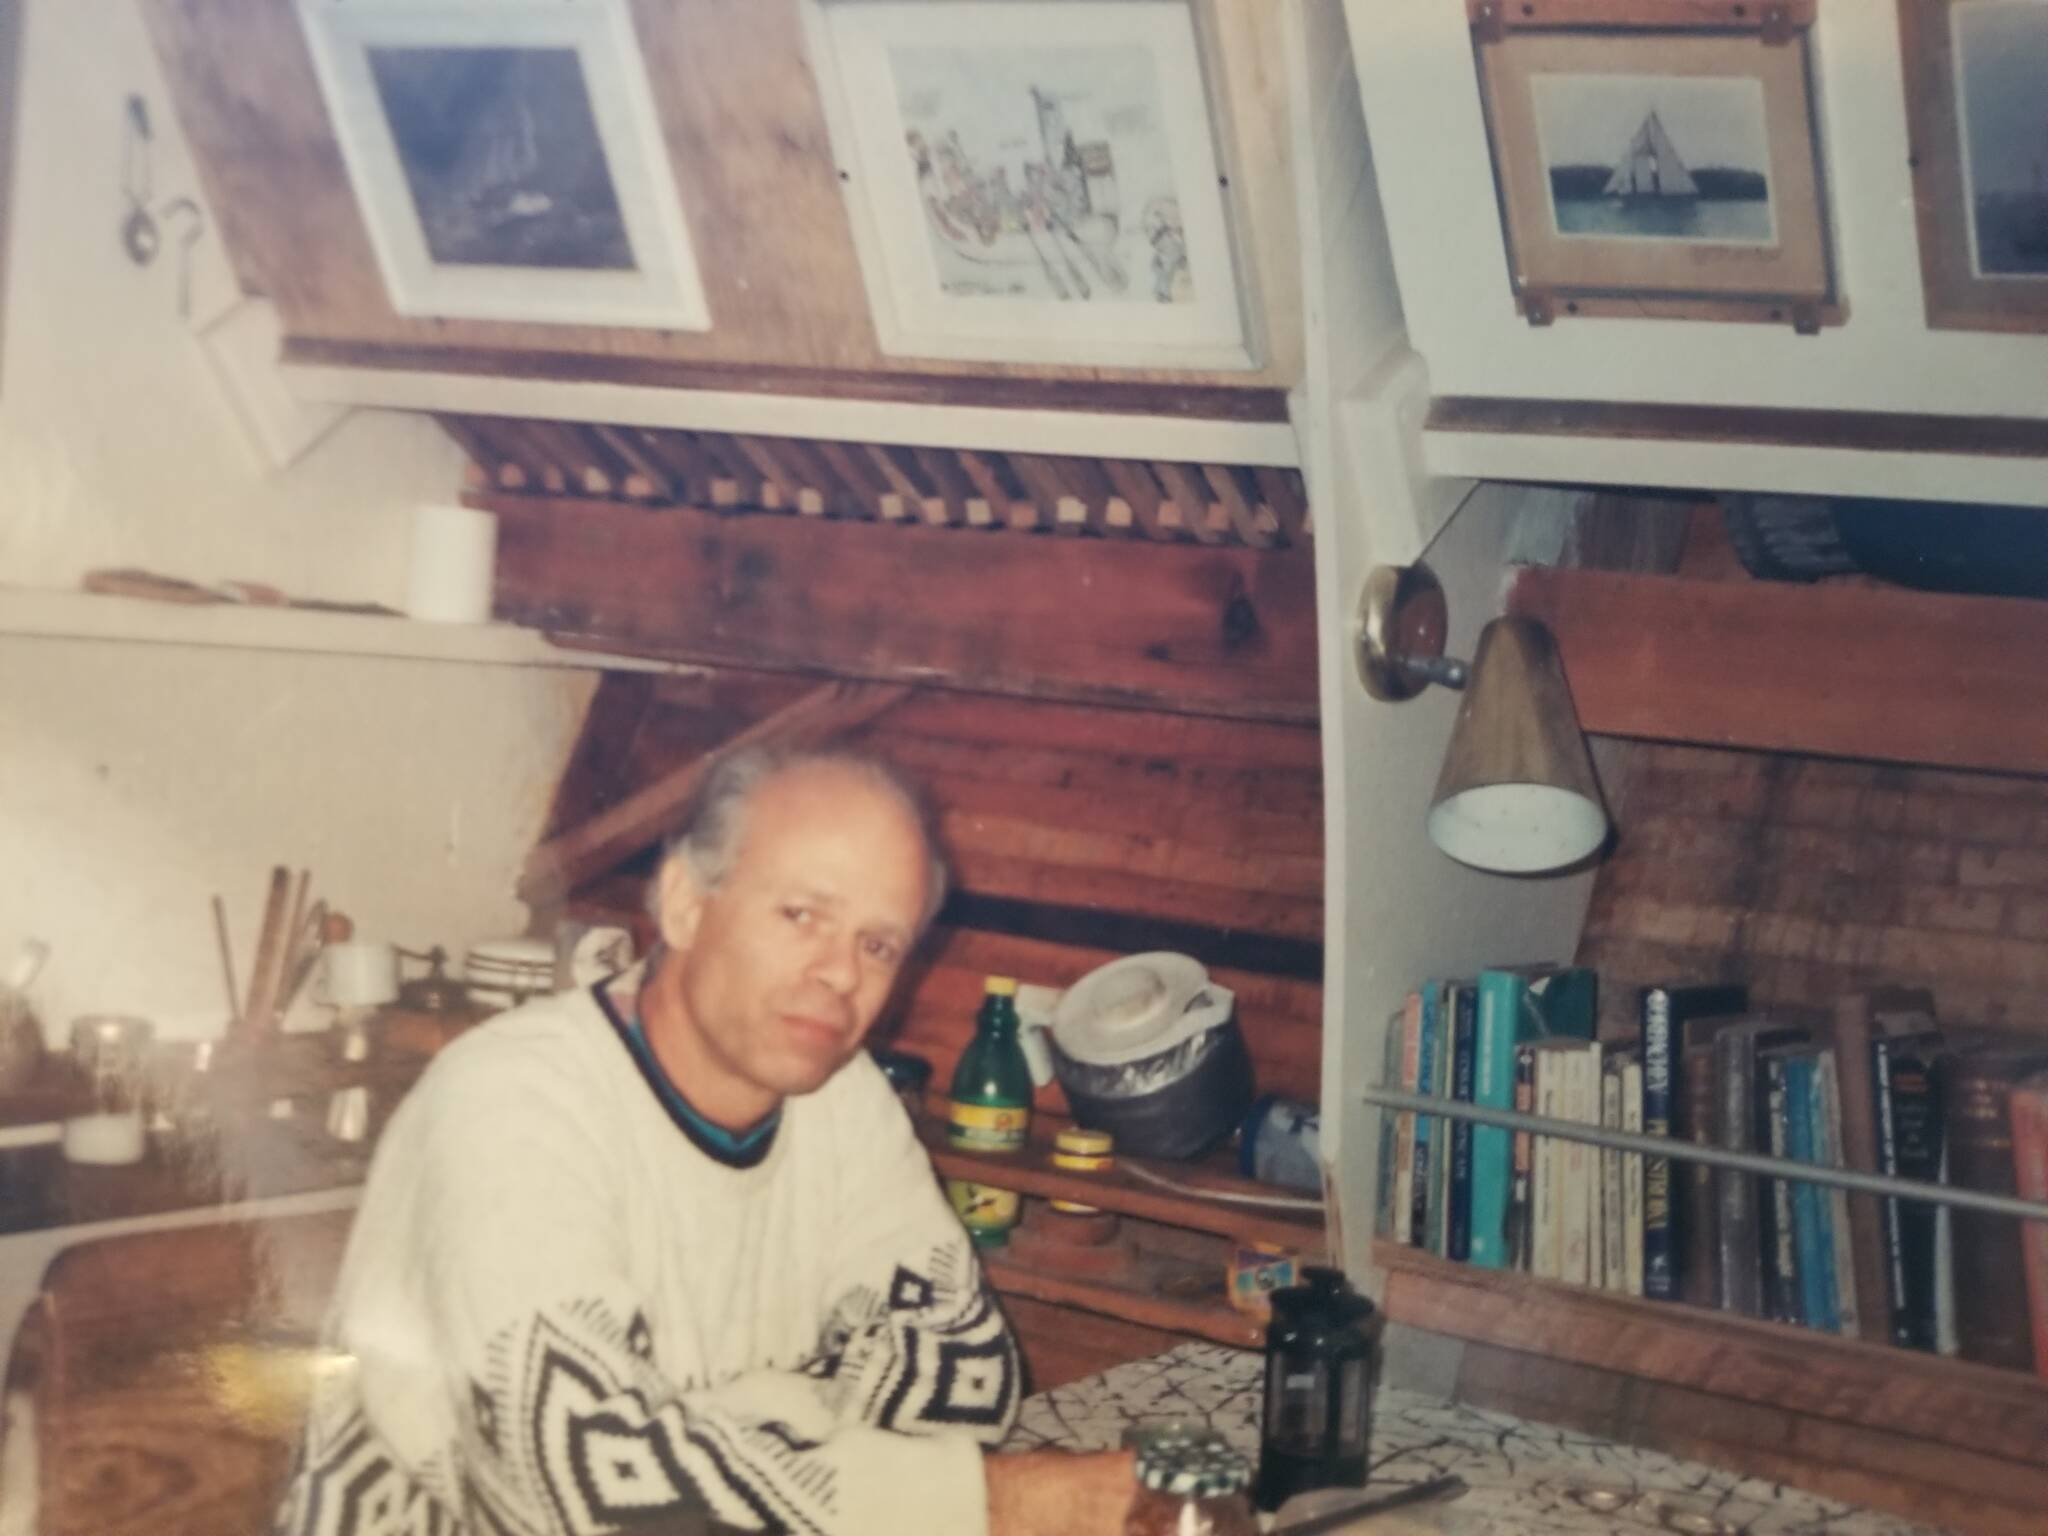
(1062, 1344)
(1841, 671)
(1200, 630)
(746, 138)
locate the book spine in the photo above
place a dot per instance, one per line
(1577, 1176)
(1740, 1288)
(1390, 1076)
(2030, 1170)
(1404, 1122)
(1499, 1159)
(1546, 1203)
(1778, 1236)
(1613, 1266)
(1440, 1141)
(1425, 1125)
(1901, 1323)
(1842, 1258)
(1699, 1252)
(1660, 1234)
(1816, 1280)
(1632, 1180)
(1458, 1239)
(1522, 1193)
(1857, 1094)
(1989, 1254)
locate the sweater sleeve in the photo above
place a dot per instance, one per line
(917, 1343)
(531, 1333)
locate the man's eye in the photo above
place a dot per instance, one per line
(798, 914)
(883, 950)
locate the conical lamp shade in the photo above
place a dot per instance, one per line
(1517, 793)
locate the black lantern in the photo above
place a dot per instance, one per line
(1322, 1367)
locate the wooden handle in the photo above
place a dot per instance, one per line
(264, 971)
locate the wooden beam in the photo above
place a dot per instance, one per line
(1862, 672)
(1219, 631)
(565, 861)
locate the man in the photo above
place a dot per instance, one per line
(666, 1256)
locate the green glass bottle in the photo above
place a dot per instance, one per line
(990, 1111)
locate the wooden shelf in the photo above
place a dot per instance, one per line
(1031, 1173)
(1199, 1312)
(1974, 1409)
(1880, 673)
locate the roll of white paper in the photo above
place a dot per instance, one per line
(454, 551)
(358, 973)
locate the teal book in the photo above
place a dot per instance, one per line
(1517, 1004)
(1427, 1127)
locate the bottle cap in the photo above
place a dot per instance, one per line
(1075, 1139)
(1001, 986)
(1192, 1465)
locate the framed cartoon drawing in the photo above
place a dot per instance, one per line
(1977, 110)
(508, 160)
(1671, 167)
(1038, 181)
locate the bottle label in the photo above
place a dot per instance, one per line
(983, 1209)
(988, 1127)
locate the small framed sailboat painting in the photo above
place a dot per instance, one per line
(1668, 171)
(1035, 181)
(1977, 111)
(507, 159)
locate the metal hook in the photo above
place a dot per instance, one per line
(139, 234)
(179, 207)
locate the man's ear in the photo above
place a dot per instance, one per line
(679, 903)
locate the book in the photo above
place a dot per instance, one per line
(1464, 1024)
(1516, 1004)
(1811, 1220)
(1699, 1280)
(1550, 1069)
(1827, 1149)
(1739, 1198)
(1578, 1203)
(1989, 1256)
(2030, 1174)
(1632, 1179)
(1522, 1188)
(1777, 1229)
(1908, 1146)
(1438, 1208)
(1613, 1274)
(1858, 1018)
(1663, 1012)
(1390, 1077)
(1427, 1083)
(1405, 1121)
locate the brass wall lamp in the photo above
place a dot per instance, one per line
(1517, 794)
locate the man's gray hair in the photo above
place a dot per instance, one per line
(709, 838)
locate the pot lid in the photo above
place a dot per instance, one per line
(1139, 1006)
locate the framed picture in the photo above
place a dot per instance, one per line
(1658, 170)
(508, 160)
(1977, 111)
(1035, 180)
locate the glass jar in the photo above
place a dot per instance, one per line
(1190, 1483)
(111, 1051)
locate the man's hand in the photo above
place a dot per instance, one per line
(1055, 1493)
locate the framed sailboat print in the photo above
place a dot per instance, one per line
(1036, 181)
(1648, 168)
(1977, 112)
(507, 159)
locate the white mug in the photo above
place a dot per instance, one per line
(358, 973)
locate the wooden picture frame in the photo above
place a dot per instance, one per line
(1976, 275)
(1037, 181)
(508, 160)
(1648, 166)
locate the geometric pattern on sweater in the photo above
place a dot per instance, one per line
(573, 1424)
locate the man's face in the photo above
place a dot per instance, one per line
(781, 969)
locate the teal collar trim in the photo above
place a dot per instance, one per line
(743, 1149)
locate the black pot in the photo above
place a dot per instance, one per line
(1178, 1104)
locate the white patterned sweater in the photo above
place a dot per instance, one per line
(561, 1312)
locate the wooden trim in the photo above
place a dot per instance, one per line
(1216, 1322)
(1743, 425)
(568, 859)
(1671, 15)
(1841, 671)
(1926, 1397)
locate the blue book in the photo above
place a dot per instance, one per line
(1826, 1207)
(1516, 1004)
(1458, 1241)
(1426, 1079)
(1816, 1287)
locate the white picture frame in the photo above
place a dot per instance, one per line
(565, 215)
(1036, 181)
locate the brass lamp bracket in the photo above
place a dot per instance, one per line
(1402, 622)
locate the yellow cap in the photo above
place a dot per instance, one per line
(1002, 986)
(1075, 1139)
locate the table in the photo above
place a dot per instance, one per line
(1525, 1479)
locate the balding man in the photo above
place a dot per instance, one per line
(666, 1255)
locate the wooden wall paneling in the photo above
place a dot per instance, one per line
(746, 138)
(595, 775)
(1218, 630)
(1060, 1345)
(1866, 672)
(1190, 497)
